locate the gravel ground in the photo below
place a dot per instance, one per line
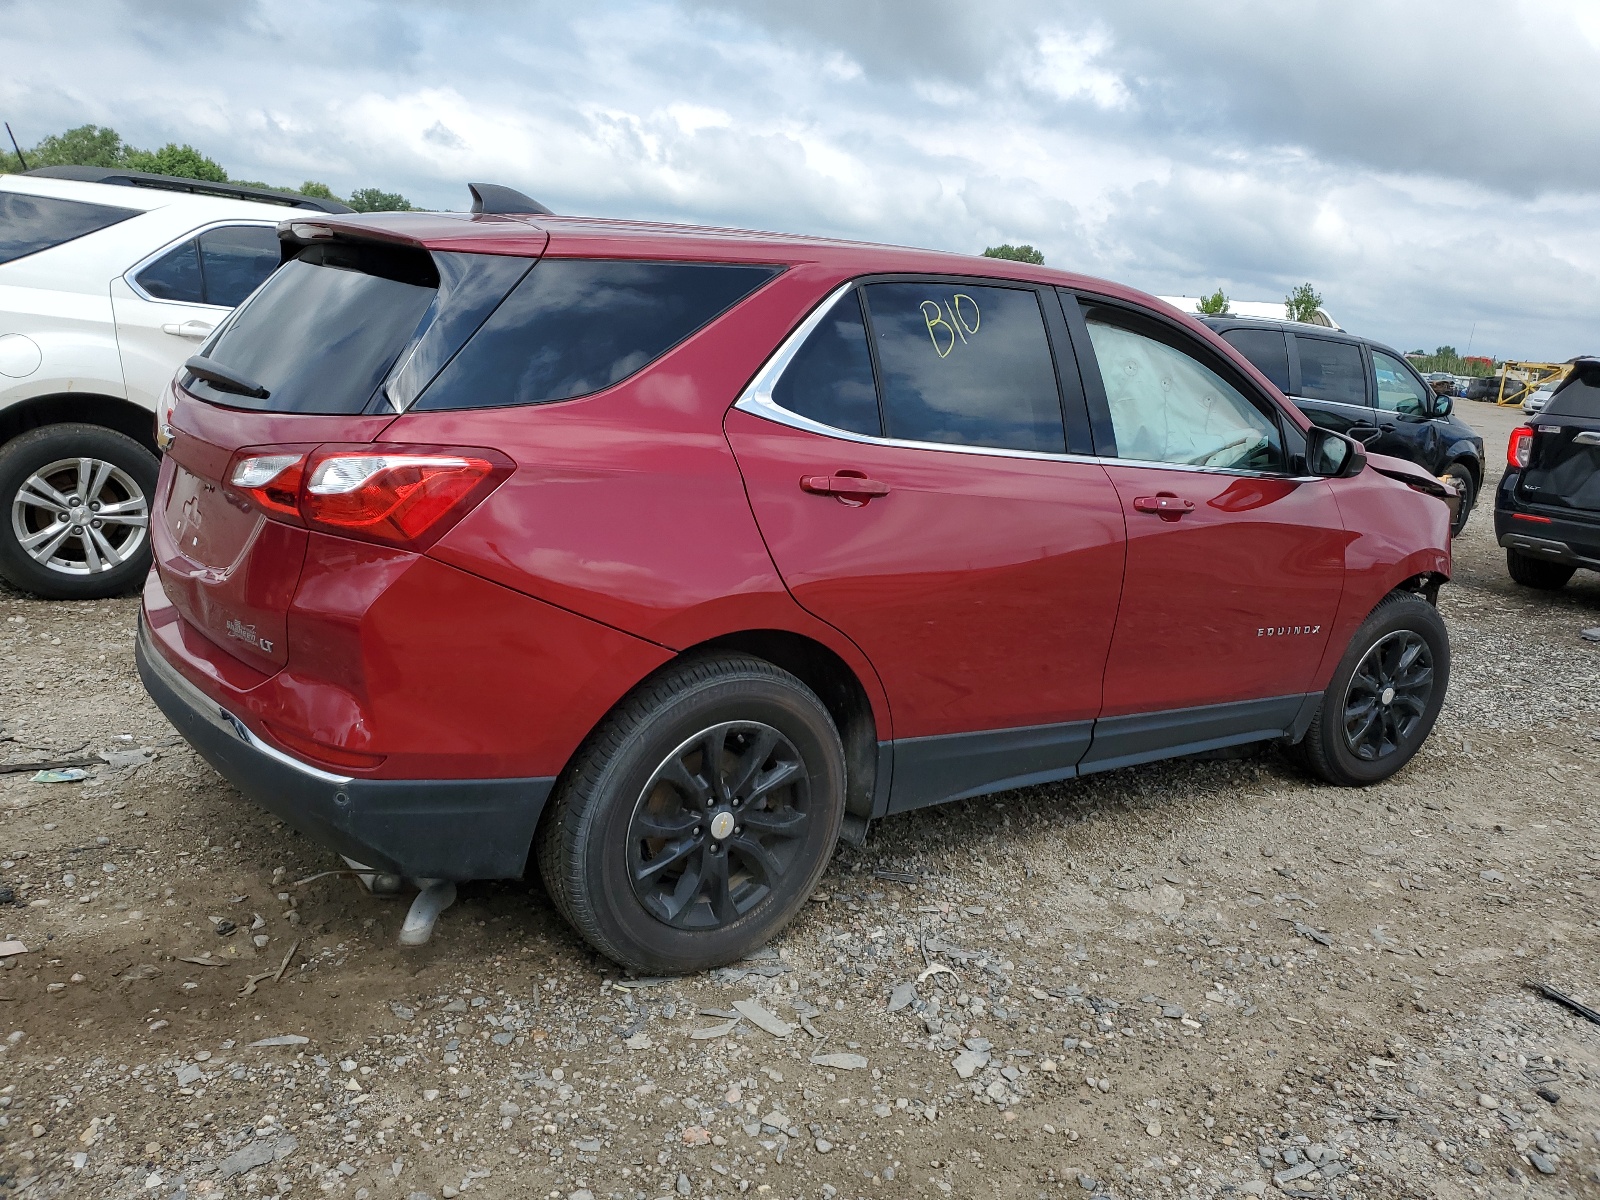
(1204, 978)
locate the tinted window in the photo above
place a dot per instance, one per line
(830, 379)
(1267, 349)
(323, 332)
(29, 224)
(966, 364)
(1168, 406)
(575, 326)
(175, 276)
(1399, 390)
(1578, 397)
(470, 287)
(235, 259)
(1331, 371)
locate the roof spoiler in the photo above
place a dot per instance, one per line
(493, 198)
(197, 187)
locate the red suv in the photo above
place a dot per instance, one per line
(672, 555)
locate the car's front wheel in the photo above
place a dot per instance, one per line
(77, 512)
(1382, 702)
(1466, 485)
(697, 819)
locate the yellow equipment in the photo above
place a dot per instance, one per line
(1529, 375)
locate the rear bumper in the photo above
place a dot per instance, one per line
(1550, 549)
(1541, 535)
(456, 829)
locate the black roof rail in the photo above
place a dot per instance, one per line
(197, 187)
(493, 198)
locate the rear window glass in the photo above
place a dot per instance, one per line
(577, 326)
(1267, 349)
(321, 336)
(966, 364)
(29, 224)
(830, 379)
(1331, 371)
(1580, 397)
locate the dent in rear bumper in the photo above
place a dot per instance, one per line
(424, 829)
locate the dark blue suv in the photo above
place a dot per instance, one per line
(1362, 388)
(1547, 511)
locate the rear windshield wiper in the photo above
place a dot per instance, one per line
(222, 378)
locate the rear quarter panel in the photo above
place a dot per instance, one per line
(628, 507)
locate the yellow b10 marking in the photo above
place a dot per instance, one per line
(934, 314)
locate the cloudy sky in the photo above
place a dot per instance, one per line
(1429, 165)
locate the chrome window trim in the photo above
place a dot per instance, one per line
(756, 399)
(129, 276)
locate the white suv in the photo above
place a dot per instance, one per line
(109, 280)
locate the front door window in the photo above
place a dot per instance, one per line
(1168, 407)
(1398, 390)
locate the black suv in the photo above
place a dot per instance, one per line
(1547, 511)
(1362, 388)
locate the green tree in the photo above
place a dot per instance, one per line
(374, 200)
(172, 159)
(1214, 305)
(1023, 253)
(85, 146)
(1302, 303)
(98, 146)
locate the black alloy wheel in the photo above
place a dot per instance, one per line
(718, 825)
(1387, 697)
(694, 822)
(1384, 697)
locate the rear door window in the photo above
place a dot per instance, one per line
(578, 326)
(235, 260)
(1267, 349)
(830, 379)
(1331, 371)
(29, 224)
(966, 364)
(175, 276)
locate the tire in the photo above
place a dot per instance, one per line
(1536, 572)
(1467, 486)
(634, 840)
(40, 477)
(1403, 641)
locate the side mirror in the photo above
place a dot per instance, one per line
(1332, 455)
(1443, 406)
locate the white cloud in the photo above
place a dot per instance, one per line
(1066, 68)
(1252, 144)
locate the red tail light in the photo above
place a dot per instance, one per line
(406, 496)
(165, 433)
(270, 481)
(1520, 447)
